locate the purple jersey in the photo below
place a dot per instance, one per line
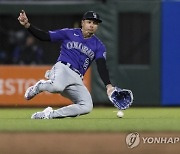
(77, 50)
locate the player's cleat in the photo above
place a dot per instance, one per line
(45, 114)
(33, 90)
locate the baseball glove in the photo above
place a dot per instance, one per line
(121, 98)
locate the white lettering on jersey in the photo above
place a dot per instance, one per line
(84, 49)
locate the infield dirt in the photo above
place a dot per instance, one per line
(82, 143)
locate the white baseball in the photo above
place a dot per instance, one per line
(120, 114)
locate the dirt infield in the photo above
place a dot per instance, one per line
(83, 143)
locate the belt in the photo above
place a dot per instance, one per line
(72, 68)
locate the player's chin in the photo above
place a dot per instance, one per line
(91, 32)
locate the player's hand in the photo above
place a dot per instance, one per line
(110, 89)
(23, 20)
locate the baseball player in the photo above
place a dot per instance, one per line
(79, 48)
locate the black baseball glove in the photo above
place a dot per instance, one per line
(121, 98)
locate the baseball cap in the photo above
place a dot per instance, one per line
(92, 15)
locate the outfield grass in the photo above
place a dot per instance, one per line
(99, 120)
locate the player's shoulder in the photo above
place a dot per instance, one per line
(98, 41)
(66, 29)
(71, 29)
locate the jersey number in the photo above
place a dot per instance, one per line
(86, 63)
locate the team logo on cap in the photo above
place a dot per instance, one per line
(94, 15)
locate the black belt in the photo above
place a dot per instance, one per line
(72, 68)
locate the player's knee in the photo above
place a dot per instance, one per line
(57, 88)
(87, 108)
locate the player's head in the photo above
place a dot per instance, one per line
(91, 15)
(89, 23)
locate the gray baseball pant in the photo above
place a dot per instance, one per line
(69, 84)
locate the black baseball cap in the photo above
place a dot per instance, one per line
(92, 16)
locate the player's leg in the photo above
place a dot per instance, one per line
(81, 98)
(74, 89)
(82, 104)
(56, 82)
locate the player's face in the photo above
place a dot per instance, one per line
(89, 27)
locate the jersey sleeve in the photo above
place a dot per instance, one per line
(58, 35)
(101, 52)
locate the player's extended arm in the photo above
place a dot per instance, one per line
(38, 33)
(121, 98)
(104, 74)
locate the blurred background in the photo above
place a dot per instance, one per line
(142, 38)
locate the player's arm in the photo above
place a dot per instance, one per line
(38, 33)
(104, 74)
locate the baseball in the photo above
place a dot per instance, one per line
(120, 114)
